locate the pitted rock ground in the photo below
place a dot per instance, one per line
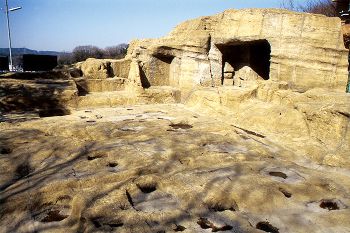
(161, 168)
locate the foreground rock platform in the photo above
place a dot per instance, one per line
(161, 168)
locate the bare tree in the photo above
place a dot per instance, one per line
(65, 58)
(323, 7)
(116, 52)
(81, 53)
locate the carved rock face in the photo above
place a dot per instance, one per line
(304, 48)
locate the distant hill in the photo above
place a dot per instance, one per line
(21, 51)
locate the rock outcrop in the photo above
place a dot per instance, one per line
(304, 50)
(280, 73)
(100, 75)
(249, 132)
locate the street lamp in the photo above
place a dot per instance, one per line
(9, 30)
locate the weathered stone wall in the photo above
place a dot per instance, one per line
(120, 68)
(307, 50)
(100, 75)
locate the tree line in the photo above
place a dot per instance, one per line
(81, 53)
(323, 7)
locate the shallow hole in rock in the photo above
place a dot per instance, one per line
(267, 227)
(93, 157)
(23, 170)
(5, 150)
(181, 126)
(64, 198)
(204, 223)
(112, 164)
(285, 193)
(224, 228)
(115, 225)
(54, 216)
(96, 223)
(179, 228)
(278, 174)
(147, 188)
(329, 205)
(91, 121)
(217, 207)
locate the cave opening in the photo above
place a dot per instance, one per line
(245, 61)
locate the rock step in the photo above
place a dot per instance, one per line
(87, 85)
(153, 95)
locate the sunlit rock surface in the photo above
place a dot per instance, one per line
(237, 122)
(161, 168)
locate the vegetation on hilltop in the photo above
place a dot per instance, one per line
(323, 7)
(79, 53)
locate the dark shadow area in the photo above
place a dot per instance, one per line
(22, 170)
(267, 227)
(285, 193)
(43, 97)
(81, 86)
(278, 174)
(329, 205)
(164, 58)
(75, 73)
(110, 71)
(144, 80)
(40, 75)
(255, 54)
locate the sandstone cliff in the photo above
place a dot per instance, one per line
(304, 50)
(277, 72)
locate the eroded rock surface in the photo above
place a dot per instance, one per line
(161, 168)
(49, 97)
(304, 50)
(237, 122)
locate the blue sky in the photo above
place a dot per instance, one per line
(61, 25)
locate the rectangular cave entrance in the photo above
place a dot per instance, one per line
(244, 62)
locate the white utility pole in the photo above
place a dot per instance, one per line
(9, 31)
